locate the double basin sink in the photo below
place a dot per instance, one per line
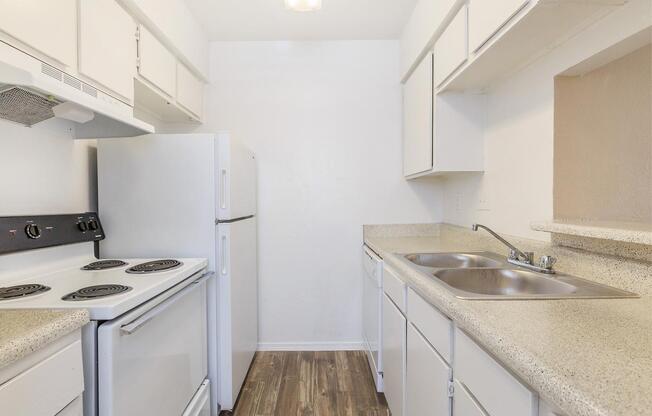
(486, 276)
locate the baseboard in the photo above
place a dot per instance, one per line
(311, 346)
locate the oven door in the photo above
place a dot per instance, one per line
(152, 360)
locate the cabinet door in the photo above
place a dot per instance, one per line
(393, 346)
(190, 90)
(428, 376)
(155, 63)
(107, 52)
(417, 119)
(487, 17)
(451, 49)
(464, 404)
(50, 27)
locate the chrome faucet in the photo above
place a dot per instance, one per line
(522, 258)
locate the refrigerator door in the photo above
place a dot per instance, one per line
(238, 306)
(236, 179)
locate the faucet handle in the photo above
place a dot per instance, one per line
(547, 262)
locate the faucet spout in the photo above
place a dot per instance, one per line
(519, 254)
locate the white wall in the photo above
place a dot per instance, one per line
(44, 171)
(324, 119)
(516, 188)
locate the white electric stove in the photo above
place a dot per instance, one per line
(145, 349)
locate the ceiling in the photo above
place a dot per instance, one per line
(269, 20)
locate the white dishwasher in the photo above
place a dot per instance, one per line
(372, 293)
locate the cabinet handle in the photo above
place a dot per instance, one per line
(223, 259)
(223, 190)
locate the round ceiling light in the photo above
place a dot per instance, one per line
(303, 5)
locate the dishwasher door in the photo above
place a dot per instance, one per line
(372, 292)
(152, 360)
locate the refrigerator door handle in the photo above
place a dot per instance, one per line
(223, 190)
(223, 259)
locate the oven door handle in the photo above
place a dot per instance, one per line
(143, 319)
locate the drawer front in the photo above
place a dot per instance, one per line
(426, 388)
(487, 17)
(55, 381)
(435, 327)
(451, 49)
(464, 403)
(395, 288)
(497, 391)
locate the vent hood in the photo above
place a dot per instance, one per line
(30, 89)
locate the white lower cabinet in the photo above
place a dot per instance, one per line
(428, 378)
(394, 354)
(464, 403)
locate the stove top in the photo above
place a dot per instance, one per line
(97, 291)
(105, 292)
(21, 291)
(154, 266)
(104, 265)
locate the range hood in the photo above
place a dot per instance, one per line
(32, 91)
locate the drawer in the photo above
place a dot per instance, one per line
(435, 327)
(451, 49)
(55, 381)
(497, 391)
(487, 17)
(395, 289)
(464, 403)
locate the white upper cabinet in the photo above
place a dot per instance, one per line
(417, 119)
(422, 29)
(190, 91)
(107, 49)
(486, 17)
(49, 27)
(451, 49)
(155, 63)
(172, 22)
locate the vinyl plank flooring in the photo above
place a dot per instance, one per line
(331, 383)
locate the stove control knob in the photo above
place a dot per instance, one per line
(33, 231)
(82, 226)
(92, 224)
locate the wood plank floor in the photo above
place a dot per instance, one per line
(310, 384)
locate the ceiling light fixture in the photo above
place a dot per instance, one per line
(303, 5)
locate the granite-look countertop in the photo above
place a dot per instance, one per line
(23, 331)
(588, 357)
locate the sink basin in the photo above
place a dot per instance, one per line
(503, 282)
(452, 260)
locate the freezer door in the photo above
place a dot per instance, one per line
(238, 306)
(236, 179)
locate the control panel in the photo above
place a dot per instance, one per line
(39, 231)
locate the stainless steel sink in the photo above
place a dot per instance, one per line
(485, 276)
(452, 260)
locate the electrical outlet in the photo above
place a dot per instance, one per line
(483, 204)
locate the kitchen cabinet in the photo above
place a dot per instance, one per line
(49, 27)
(464, 403)
(417, 119)
(156, 64)
(428, 378)
(394, 356)
(107, 46)
(423, 27)
(436, 328)
(53, 374)
(494, 388)
(451, 49)
(486, 18)
(190, 90)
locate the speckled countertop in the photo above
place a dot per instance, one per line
(588, 357)
(27, 330)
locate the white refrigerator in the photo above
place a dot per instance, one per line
(191, 195)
